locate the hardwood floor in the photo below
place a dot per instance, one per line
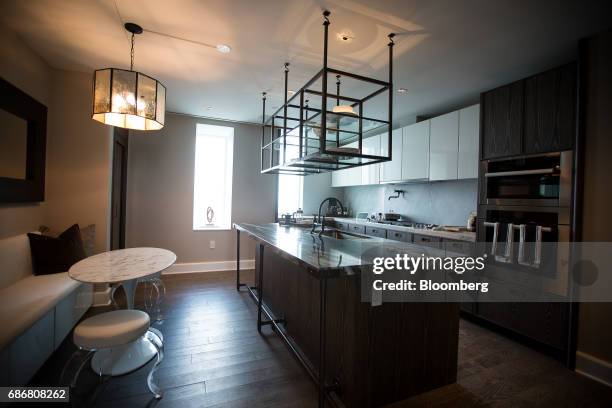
(214, 357)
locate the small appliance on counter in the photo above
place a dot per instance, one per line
(296, 219)
(471, 222)
(286, 219)
(391, 216)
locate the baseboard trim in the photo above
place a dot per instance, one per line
(101, 298)
(199, 267)
(594, 368)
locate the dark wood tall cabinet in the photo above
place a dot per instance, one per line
(550, 110)
(533, 115)
(502, 121)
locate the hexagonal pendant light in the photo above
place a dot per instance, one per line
(127, 98)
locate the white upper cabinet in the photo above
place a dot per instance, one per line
(347, 177)
(415, 151)
(370, 173)
(443, 147)
(469, 126)
(392, 170)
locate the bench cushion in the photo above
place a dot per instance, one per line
(27, 300)
(111, 329)
(15, 260)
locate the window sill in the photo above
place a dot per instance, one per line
(213, 228)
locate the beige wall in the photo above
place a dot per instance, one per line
(23, 68)
(78, 149)
(78, 159)
(160, 191)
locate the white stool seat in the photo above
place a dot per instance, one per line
(111, 329)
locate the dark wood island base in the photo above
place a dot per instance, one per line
(372, 355)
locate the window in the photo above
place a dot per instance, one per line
(290, 193)
(212, 181)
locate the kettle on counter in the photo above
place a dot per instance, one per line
(471, 222)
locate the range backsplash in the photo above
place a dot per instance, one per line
(443, 202)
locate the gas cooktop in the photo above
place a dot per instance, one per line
(410, 224)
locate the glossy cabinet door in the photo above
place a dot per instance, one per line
(469, 126)
(415, 151)
(392, 170)
(370, 173)
(337, 179)
(443, 147)
(347, 177)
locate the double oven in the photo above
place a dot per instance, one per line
(524, 218)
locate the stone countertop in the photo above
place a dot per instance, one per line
(466, 236)
(122, 265)
(328, 256)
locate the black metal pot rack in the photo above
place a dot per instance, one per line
(303, 137)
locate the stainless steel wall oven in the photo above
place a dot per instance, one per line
(539, 181)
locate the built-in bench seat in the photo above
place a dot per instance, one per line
(36, 312)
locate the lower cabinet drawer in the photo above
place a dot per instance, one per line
(376, 232)
(357, 228)
(458, 247)
(342, 226)
(399, 236)
(426, 240)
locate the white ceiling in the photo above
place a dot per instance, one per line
(447, 51)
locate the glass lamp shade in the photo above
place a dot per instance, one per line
(128, 99)
(346, 109)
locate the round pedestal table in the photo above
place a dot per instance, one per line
(123, 266)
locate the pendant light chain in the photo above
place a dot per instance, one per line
(132, 54)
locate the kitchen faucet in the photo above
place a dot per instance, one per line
(320, 222)
(397, 194)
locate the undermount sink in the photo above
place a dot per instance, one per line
(335, 234)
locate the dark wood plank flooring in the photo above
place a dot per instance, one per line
(214, 357)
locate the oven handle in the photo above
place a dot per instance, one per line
(554, 170)
(508, 249)
(495, 226)
(537, 259)
(508, 254)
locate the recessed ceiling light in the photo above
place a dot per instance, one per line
(291, 92)
(402, 91)
(224, 48)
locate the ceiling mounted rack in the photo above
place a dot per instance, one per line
(317, 131)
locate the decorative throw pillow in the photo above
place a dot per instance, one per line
(54, 255)
(88, 235)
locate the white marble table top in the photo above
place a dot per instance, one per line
(122, 265)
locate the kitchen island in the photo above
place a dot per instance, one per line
(360, 353)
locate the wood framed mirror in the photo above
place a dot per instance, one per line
(23, 142)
